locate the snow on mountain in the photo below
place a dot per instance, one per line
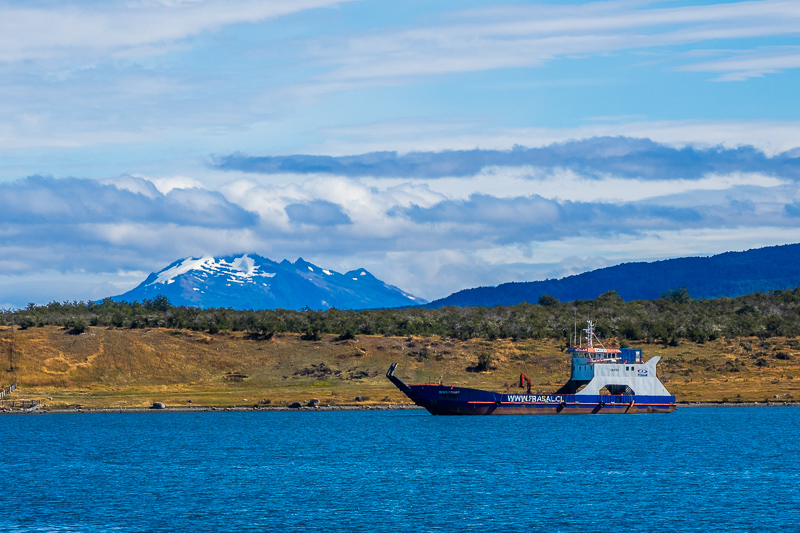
(240, 269)
(250, 281)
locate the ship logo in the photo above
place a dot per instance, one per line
(642, 372)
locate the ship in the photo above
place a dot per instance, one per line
(630, 383)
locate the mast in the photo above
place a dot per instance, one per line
(590, 333)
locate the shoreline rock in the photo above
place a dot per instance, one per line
(319, 408)
(215, 409)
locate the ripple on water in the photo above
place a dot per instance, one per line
(711, 469)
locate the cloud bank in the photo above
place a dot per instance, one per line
(41, 200)
(596, 157)
(425, 240)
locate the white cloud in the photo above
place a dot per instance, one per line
(165, 185)
(751, 64)
(368, 207)
(562, 184)
(531, 35)
(135, 184)
(430, 242)
(770, 136)
(126, 27)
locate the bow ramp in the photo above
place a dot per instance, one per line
(413, 396)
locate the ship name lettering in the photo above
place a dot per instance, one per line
(533, 398)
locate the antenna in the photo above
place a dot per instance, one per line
(589, 333)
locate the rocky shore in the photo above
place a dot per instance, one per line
(738, 404)
(213, 409)
(264, 409)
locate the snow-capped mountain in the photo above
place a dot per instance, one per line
(250, 281)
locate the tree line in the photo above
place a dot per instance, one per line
(668, 319)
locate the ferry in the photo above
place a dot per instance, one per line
(630, 383)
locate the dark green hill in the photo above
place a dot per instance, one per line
(729, 274)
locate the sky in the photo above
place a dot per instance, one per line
(439, 144)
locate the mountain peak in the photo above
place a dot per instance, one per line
(302, 264)
(243, 267)
(249, 281)
(359, 274)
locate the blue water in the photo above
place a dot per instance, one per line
(701, 469)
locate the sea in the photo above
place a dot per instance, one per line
(699, 469)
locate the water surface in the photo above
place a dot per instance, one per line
(699, 469)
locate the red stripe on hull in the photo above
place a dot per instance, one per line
(532, 409)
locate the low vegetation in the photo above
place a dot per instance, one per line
(669, 319)
(112, 354)
(123, 367)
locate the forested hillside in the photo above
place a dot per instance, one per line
(730, 274)
(670, 318)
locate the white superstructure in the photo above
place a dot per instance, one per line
(619, 371)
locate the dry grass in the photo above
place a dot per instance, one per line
(134, 368)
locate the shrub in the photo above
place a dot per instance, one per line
(76, 326)
(346, 336)
(484, 363)
(679, 295)
(547, 300)
(311, 334)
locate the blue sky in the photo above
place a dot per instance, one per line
(439, 144)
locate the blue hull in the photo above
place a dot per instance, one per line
(443, 400)
(447, 400)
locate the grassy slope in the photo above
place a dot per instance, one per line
(135, 367)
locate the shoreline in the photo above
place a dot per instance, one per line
(210, 409)
(134, 368)
(738, 404)
(276, 409)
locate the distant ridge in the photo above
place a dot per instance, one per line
(728, 274)
(249, 281)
